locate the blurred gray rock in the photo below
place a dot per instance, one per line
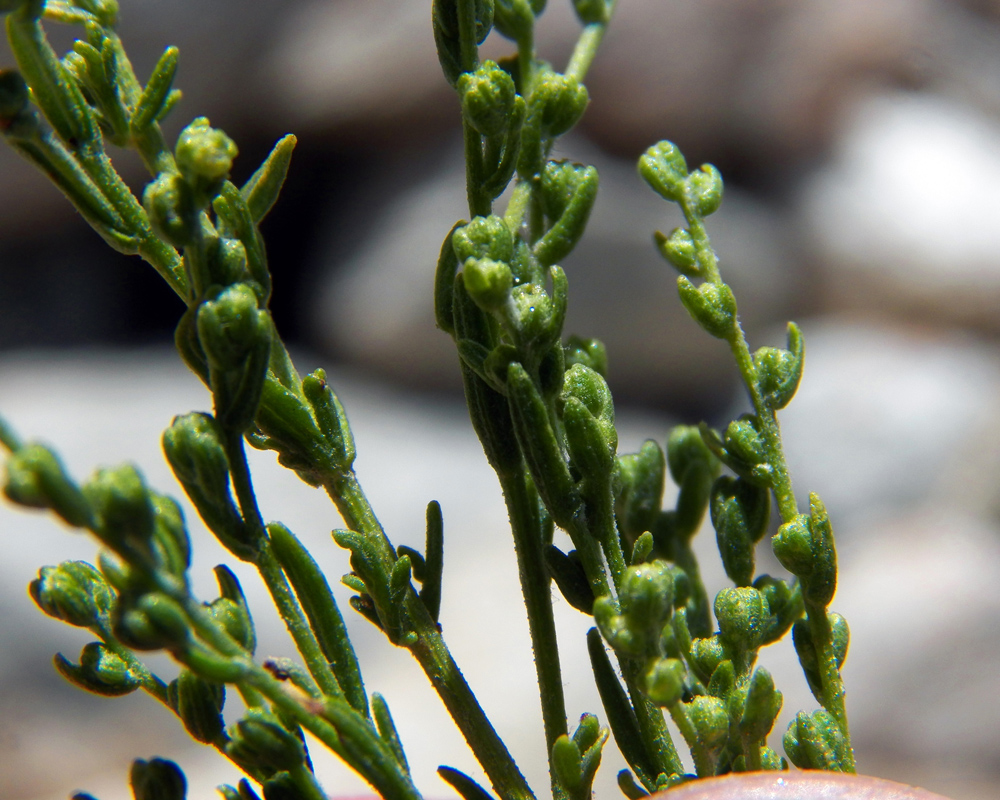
(376, 308)
(904, 217)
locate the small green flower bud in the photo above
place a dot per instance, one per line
(589, 352)
(793, 548)
(587, 733)
(591, 12)
(815, 741)
(841, 636)
(664, 681)
(152, 622)
(723, 680)
(260, 740)
(641, 479)
(679, 249)
(742, 614)
(515, 18)
(124, 511)
(331, 417)
(227, 262)
(647, 597)
(707, 654)
(591, 443)
(710, 720)
(157, 779)
(171, 208)
(567, 763)
(704, 190)
(740, 513)
(488, 283)
(199, 705)
(784, 603)
(664, 169)
(74, 592)
(532, 311)
(236, 338)
(14, 94)
(195, 449)
(36, 478)
(686, 450)
(204, 155)
(821, 584)
(779, 371)
(487, 97)
(238, 622)
(100, 671)
(171, 545)
(559, 101)
(762, 706)
(743, 441)
(484, 237)
(711, 305)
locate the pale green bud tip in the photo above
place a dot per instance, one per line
(488, 96)
(742, 614)
(664, 169)
(204, 152)
(562, 99)
(665, 681)
(170, 205)
(36, 478)
(678, 248)
(14, 95)
(123, 506)
(647, 595)
(157, 779)
(710, 719)
(587, 386)
(484, 237)
(589, 352)
(686, 449)
(591, 12)
(74, 592)
(231, 325)
(792, 546)
(704, 189)
(260, 739)
(488, 282)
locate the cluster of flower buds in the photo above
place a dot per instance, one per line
(575, 758)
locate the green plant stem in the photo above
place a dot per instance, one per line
(433, 656)
(270, 571)
(833, 684)
(751, 755)
(536, 588)
(307, 784)
(770, 434)
(297, 624)
(606, 532)
(703, 764)
(586, 46)
(652, 725)
(151, 683)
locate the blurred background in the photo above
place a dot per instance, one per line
(860, 143)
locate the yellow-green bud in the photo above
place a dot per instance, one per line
(487, 97)
(204, 154)
(74, 592)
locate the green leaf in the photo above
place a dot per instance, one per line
(262, 188)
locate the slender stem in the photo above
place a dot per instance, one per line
(270, 571)
(652, 726)
(297, 624)
(536, 588)
(305, 781)
(833, 684)
(606, 531)
(703, 763)
(434, 658)
(447, 679)
(751, 755)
